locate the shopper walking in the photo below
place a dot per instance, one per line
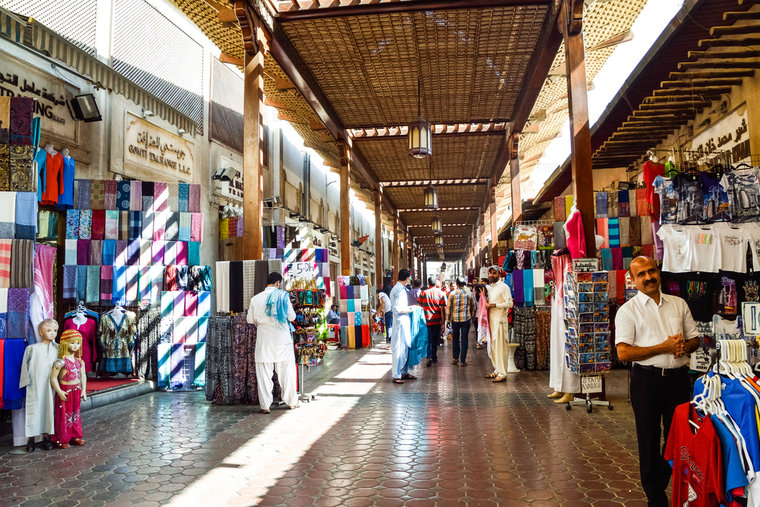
(401, 336)
(384, 311)
(272, 312)
(433, 302)
(461, 311)
(657, 333)
(499, 301)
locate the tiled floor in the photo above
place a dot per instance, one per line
(450, 437)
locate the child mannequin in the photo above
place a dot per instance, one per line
(69, 381)
(35, 370)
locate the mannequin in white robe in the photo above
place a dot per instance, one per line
(36, 366)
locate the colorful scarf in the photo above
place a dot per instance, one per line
(277, 306)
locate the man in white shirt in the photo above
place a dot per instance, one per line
(385, 311)
(499, 301)
(401, 337)
(272, 313)
(656, 332)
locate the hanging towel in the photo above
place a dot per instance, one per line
(22, 173)
(109, 252)
(170, 253)
(97, 194)
(204, 304)
(193, 253)
(607, 259)
(81, 282)
(6, 252)
(133, 273)
(236, 286)
(528, 287)
(627, 256)
(135, 224)
(185, 221)
(85, 224)
(21, 114)
(173, 202)
(70, 282)
(147, 225)
(194, 198)
(613, 225)
(191, 304)
(569, 200)
(170, 278)
(8, 215)
(632, 204)
(5, 163)
(146, 253)
(123, 196)
(634, 230)
(196, 227)
(620, 286)
(144, 285)
(538, 287)
(158, 249)
(600, 202)
(18, 313)
(617, 258)
(181, 248)
(3, 328)
(559, 209)
(98, 224)
(646, 230)
(135, 196)
(22, 263)
(96, 252)
(183, 196)
(612, 205)
(159, 225)
(222, 286)
(224, 228)
(161, 196)
(72, 223)
(110, 192)
(70, 252)
(625, 230)
(119, 285)
(624, 209)
(601, 230)
(172, 226)
(249, 280)
(120, 255)
(133, 253)
(559, 236)
(106, 285)
(111, 230)
(26, 215)
(517, 281)
(148, 190)
(84, 190)
(124, 225)
(92, 292)
(156, 283)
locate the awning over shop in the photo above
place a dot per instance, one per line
(31, 34)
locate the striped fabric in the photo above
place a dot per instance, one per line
(613, 228)
(5, 263)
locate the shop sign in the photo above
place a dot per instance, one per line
(51, 94)
(591, 384)
(729, 134)
(303, 270)
(585, 265)
(751, 318)
(152, 147)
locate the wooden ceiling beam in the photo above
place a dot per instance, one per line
(715, 90)
(698, 97)
(743, 54)
(720, 64)
(376, 8)
(719, 31)
(233, 60)
(733, 16)
(683, 104)
(713, 74)
(729, 43)
(316, 125)
(697, 83)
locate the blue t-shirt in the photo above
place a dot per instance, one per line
(733, 472)
(66, 199)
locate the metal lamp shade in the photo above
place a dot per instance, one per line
(437, 225)
(420, 138)
(431, 197)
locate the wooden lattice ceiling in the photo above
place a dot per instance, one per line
(448, 196)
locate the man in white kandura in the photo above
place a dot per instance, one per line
(401, 337)
(499, 301)
(272, 312)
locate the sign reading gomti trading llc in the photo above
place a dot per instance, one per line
(157, 149)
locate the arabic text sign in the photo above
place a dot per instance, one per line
(155, 148)
(51, 94)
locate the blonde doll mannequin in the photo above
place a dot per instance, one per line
(69, 381)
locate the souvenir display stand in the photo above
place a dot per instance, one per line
(354, 312)
(587, 344)
(309, 326)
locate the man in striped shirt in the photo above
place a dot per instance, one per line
(433, 301)
(461, 311)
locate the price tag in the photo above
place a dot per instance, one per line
(591, 384)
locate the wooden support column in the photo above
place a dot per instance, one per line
(253, 131)
(345, 211)
(378, 240)
(494, 229)
(395, 244)
(514, 172)
(571, 24)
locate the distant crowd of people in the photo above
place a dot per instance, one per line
(450, 307)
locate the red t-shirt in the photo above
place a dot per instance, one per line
(695, 455)
(651, 171)
(433, 301)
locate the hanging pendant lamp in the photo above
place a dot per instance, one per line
(437, 225)
(431, 193)
(420, 133)
(439, 241)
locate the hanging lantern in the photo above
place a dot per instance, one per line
(420, 138)
(431, 197)
(439, 241)
(437, 225)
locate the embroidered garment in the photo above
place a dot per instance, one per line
(21, 171)
(116, 334)
(123, 195)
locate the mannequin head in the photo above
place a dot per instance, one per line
(71, 343)
(48, 330)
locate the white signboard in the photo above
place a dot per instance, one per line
(170, 156)
(591, 385)
(751, 318)
(585, 265)
(730, 133)
(302, 270)
(20, 80)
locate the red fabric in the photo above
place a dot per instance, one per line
(88, 330)
(98, 224)
(576, 239)
(620, 286)
(650, 172)
(2, 373)
(94, 385)
(432, 301)
(67, 414)
(53, 179)
(697, 465)
(601, 230)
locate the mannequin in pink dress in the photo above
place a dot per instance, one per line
(87, 327)
(574, 232)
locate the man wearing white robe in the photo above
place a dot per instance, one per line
(499, 301)
(36, 366)
(401, 336)
(274, 347)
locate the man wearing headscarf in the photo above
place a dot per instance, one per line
(272, 313)
(499, 301)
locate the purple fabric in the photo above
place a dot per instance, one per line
(83, 252)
